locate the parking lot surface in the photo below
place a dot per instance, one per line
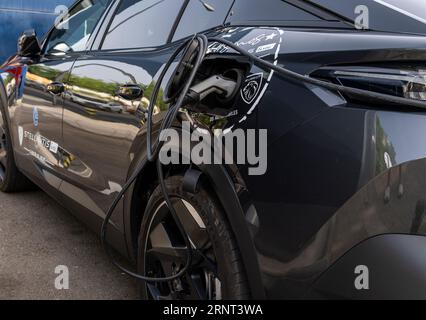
(36, 236)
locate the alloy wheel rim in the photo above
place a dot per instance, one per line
(165, 255)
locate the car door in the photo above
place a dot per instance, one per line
(105, 100)
(107, 97)
(36, 118)
(37, 115)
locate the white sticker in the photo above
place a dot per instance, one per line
(21, 135)
(53, 147)
(266, 47)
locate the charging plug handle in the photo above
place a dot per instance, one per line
(217, 84)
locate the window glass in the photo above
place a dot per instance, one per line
(411, 8)
(268, 10)
(415, 9)
(201, 15)
(142, 23)
(402, 16)
(73, 32)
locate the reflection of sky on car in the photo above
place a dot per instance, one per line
(405, 16)
(81, 44)
(129, 16)
(415, 9)
(132, 12)
(66, 21)
(142, 16)
(393, 123)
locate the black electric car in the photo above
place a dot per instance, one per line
(343, 196)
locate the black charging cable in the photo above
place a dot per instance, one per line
(299, 78)
(153, 149)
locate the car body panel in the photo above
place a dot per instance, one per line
(36, 117)
(395, 257)
(323, 159)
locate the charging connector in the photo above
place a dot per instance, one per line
(217, 84)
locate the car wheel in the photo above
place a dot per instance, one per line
(11, 179)
(217, 270)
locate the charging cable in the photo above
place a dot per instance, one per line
(296, 77)
(154, 149)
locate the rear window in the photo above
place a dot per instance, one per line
(268, 10)
(201, 15)
(414, 9)
(403, 16)
(142, 23)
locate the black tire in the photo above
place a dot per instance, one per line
(223, 247)
(11, 179)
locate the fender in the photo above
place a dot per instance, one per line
(227, 195)
(14, 66)
(4, 107)
(377, 268)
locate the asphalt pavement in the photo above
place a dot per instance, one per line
(37, 236)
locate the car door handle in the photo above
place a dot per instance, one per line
(55, 87)
(130, 92)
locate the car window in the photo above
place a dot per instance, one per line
(202, 15)
(402, 16)
(142, 23)
(414, 9)
(73, 31)
(268, 10)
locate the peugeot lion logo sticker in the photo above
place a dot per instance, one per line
(252, 87)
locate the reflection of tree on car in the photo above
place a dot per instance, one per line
(106, 97)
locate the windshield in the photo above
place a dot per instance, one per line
(407, 16)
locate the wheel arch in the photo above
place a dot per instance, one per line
(224, 188)
(3, 99)
(4, 107)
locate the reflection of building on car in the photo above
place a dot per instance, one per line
(342, 186)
